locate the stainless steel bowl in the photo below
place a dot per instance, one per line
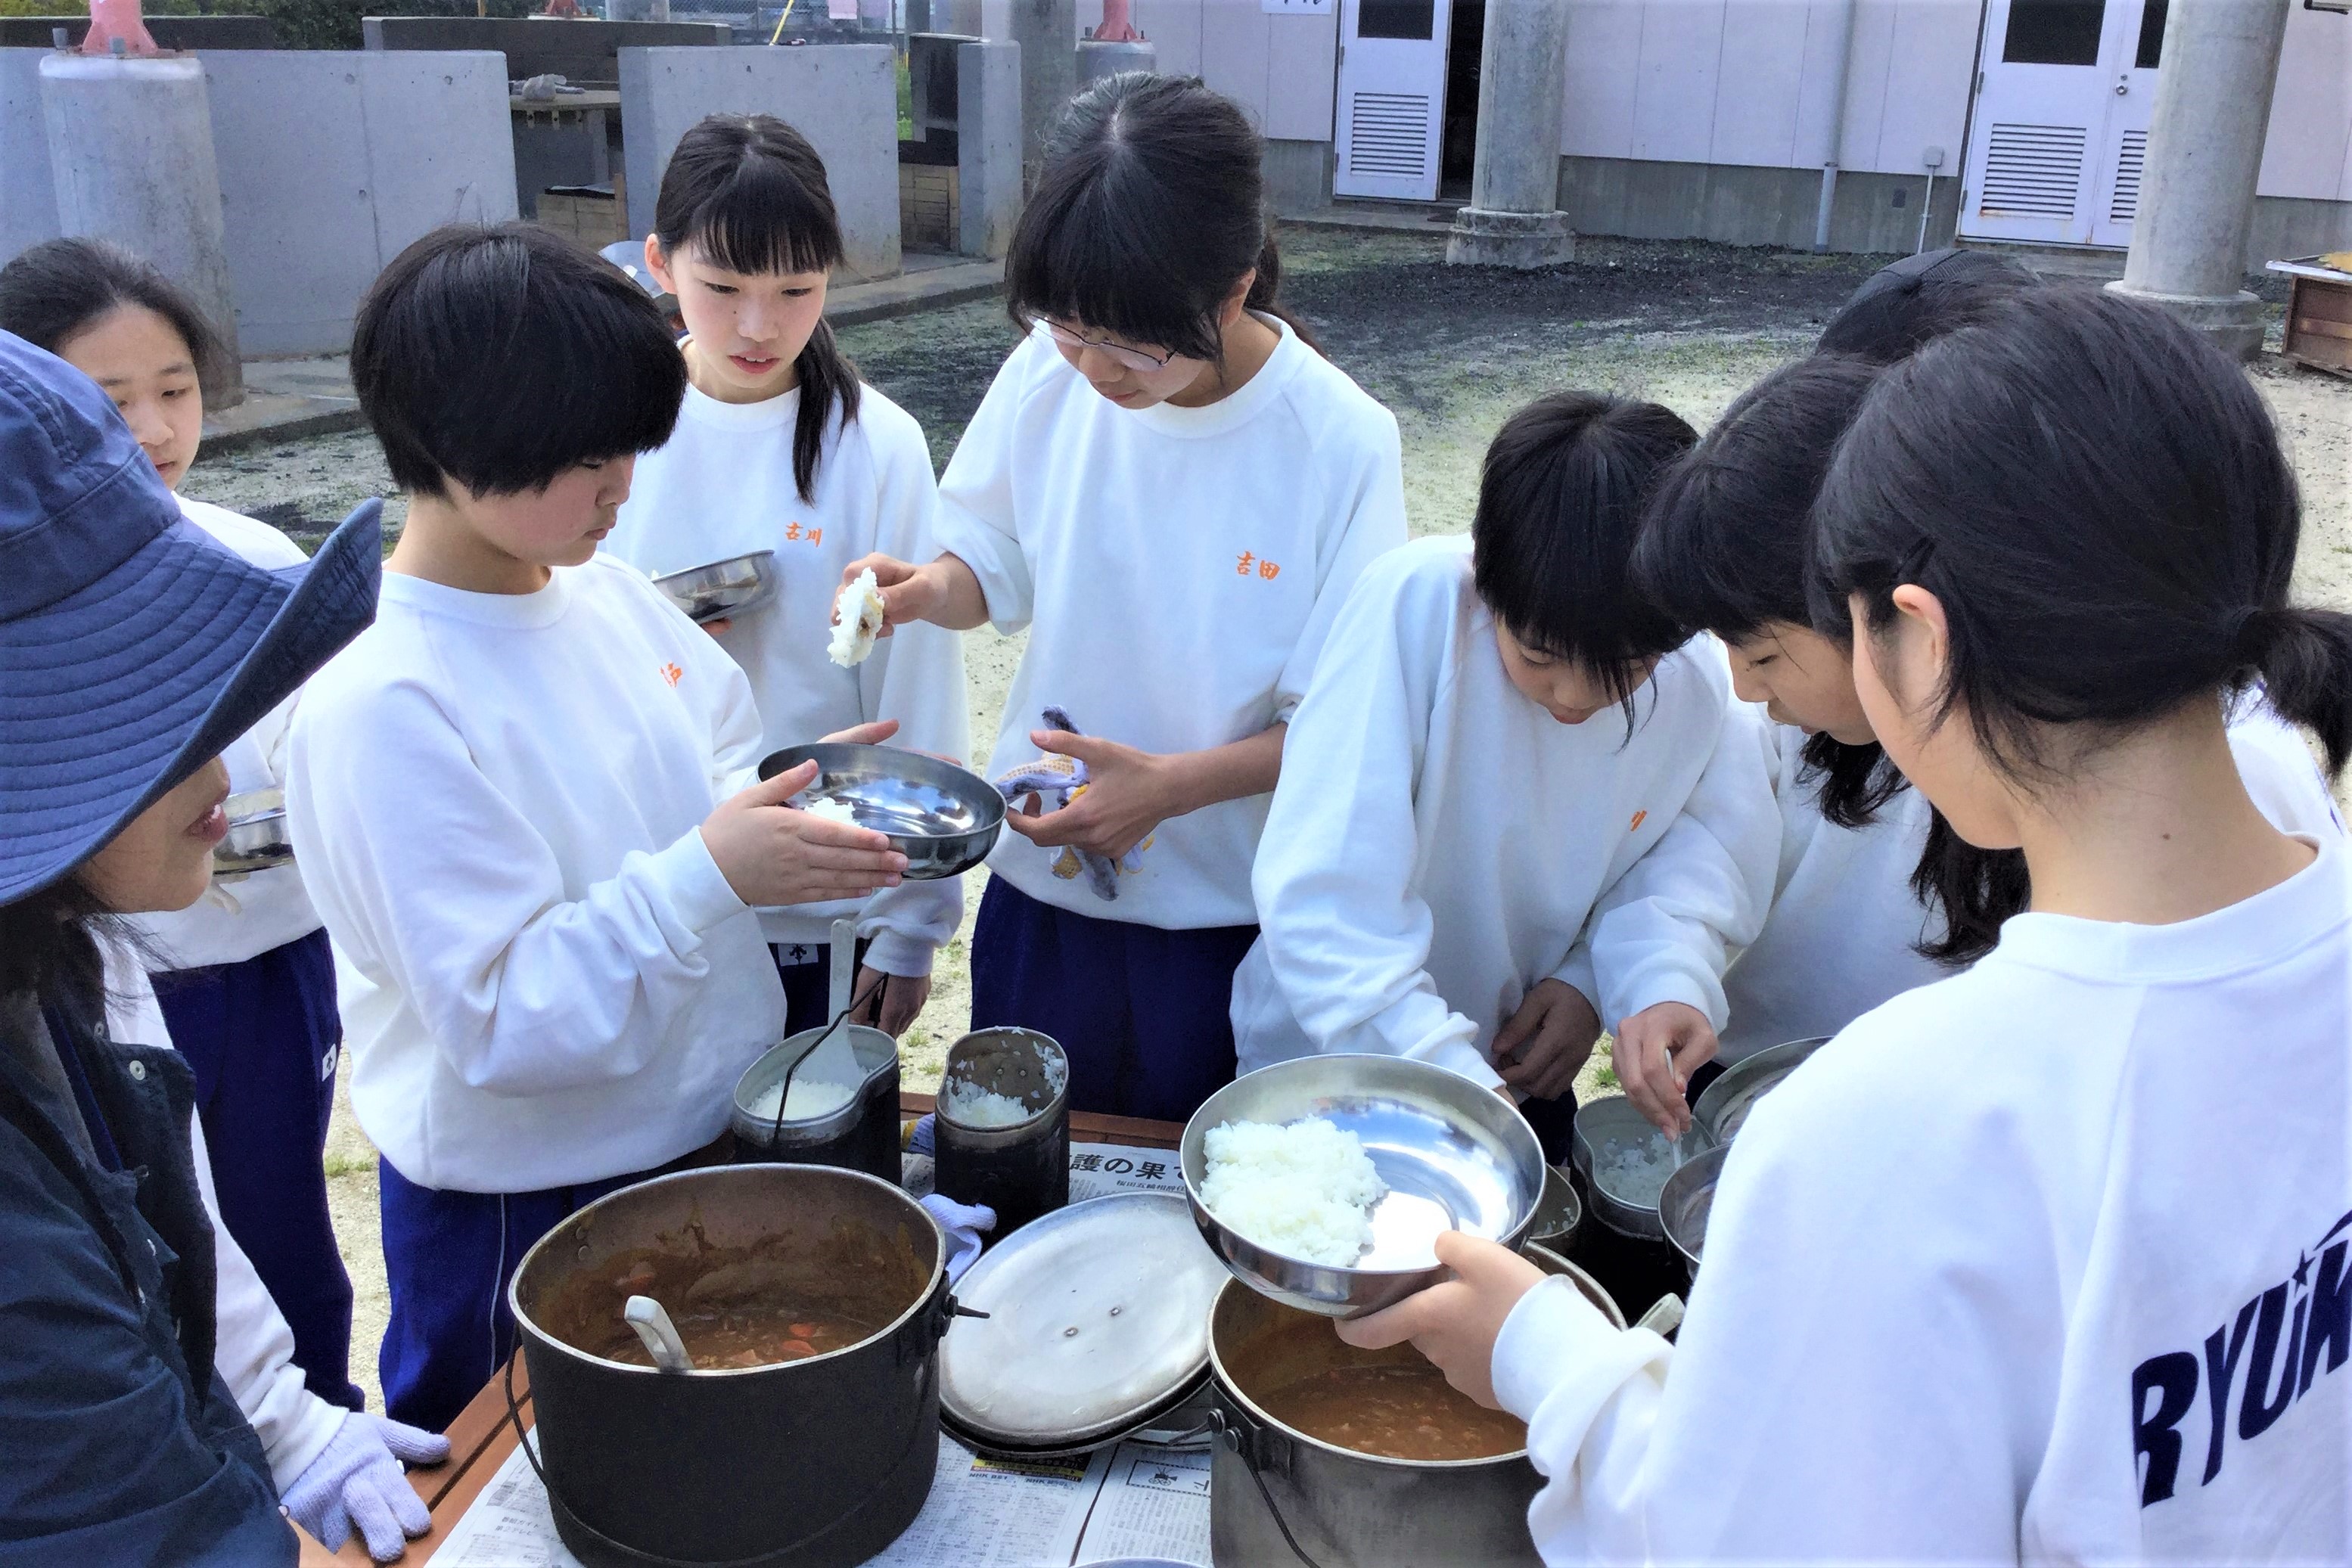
(1614, 1118)
(1688, 1198)
(941, 818)
(1724, 1107)
(722, 587)
(1454, 1154)
(257, 834)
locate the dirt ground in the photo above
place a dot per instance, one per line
(1451, 351)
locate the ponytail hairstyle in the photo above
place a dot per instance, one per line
(2098, 499)
(1150, 207)
(1727, 542)
(55, 291)
(749, 193)
(1560, 504)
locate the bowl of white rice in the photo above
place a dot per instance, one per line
(1325, 1182)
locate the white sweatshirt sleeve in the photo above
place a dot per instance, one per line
(977, 521)
(1838, 1393)
(1373, 508)
(1346, 935)
(451, 889)
(1666, 928)
(254, 1350)
(916, 676)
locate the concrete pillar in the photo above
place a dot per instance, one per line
(1048, 32)
(988, 147)
(2204, 151)
(1513, 217)
(131, 157)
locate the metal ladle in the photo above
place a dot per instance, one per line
(660, 1335)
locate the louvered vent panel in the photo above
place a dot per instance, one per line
(2125, 206)
(2034, 171)
(1388, 133)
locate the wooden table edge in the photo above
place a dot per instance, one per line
(482, 1437)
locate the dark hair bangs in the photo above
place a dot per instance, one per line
(1088, 252)
(762, 219)
(52, 292)
(502, 357)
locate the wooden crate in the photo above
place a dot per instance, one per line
(591, 218)
(2319, 324)
(930, 207)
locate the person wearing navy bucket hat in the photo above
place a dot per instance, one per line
(132, 650)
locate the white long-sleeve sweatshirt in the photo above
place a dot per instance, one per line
(1438, 842)
(723, 487)
(545, 978)
(2051, 1261)
(1844, 922)
(245, 919)
(1178, 569)
(253, 1348)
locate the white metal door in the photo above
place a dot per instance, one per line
(1391, 100)
(2061, 119)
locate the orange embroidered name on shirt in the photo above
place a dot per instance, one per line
(1265, 569)
(672, 674)
(794, 531)
(1635, 825)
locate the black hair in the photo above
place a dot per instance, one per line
(1150, 207)
(47, 949)
(1726, 544)
(54, 291)
(500, 357)
(2098, 499)
(1902, 307)
(749, 193)
(1560, 504)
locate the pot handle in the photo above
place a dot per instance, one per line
(1235, 1432)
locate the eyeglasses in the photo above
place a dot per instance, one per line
(1135, 359)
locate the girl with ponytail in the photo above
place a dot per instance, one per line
(1173, 492)
(780, 447)
(2049, 1260)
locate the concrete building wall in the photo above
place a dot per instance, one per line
(1282, 69)
(842, 97)
(2308, 154)
(333, 162)
(28, 195)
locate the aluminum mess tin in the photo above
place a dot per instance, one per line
(1613, 1116)
(1021, 1169)
(1097, 1327)
(256, 837)
(1723, 1108)
(1454, 1154)
(943, 819)
(1687, 1201)
(719, 588)
(862, 1135)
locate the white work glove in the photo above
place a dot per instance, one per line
(357, 1483)
(962, 1222)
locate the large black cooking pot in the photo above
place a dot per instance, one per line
(817, 1463)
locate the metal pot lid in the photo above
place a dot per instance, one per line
(1724, 1108)
(1099, 1316)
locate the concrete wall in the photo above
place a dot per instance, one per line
(842, 97)
(1297, 174)
(333, 162)
(1279, 68)
(1745, 204)
(2309, 152)
(28, 195)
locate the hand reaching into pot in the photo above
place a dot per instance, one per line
(1456, 1325)
(1658, 1049)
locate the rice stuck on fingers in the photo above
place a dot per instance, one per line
(1305, 1189)
(857, 621)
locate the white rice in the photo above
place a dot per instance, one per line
(857, 621)
(971, 1107)
(1305, 1189)
(1634, 1170)
(811, 1097)
(832, 812)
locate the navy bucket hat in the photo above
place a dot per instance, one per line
(132, 648)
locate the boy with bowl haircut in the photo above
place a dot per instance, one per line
(518, 798)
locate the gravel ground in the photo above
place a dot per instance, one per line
(1451, 351)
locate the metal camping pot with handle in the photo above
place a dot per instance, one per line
(1277, 1496)
(1014, 1157)
(815, 1462)
(860, 1133)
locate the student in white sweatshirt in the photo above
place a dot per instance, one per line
(1516, 799)
(246, 974)
(1874, 896)
(780, 447)
(2052, 1260)
(515, 797)
(1173, 491)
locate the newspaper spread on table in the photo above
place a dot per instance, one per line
(1135, 1499)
